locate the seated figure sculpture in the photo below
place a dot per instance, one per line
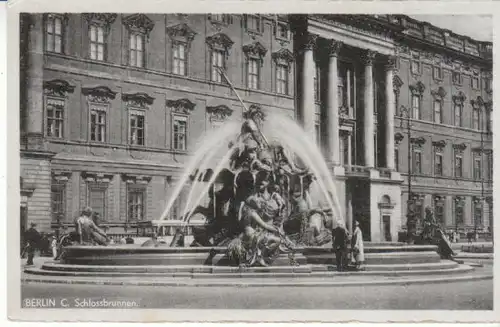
(88, 231)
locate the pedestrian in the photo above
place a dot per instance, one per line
(33, 238)
(53, 245)
(357, 247)
(340, 237)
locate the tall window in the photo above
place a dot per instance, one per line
(437, 73)
(344, 149)
(458, 115)
(417, 161)
(438, 111)
(97, 200)
(459, 212)
(55, 118)
(137, 49)
(96, 42)
(415, 67)
(396, 158)
(254, 23)
(438, 163)
(317, 132)
(180, 133)
(282, 31)
(253, 73)
(476, 123)
(137, 127)
(456, 78)
(97, 123)
(317, 83)
(415, 103)
(439, 210)
(218, 63)
(136, 204)
(490, 165)
(54, 35)
(478, 212)
(458, 165)
(57, 200)
(282, 79)
(477, 166)
(179, 58)
(475, 82)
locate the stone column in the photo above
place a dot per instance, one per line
(34, 83)
(369, 124)
(390, 103)
(332, 112)
(307, 104)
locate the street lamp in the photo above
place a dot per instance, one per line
(410, 207)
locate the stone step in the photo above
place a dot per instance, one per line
(258, 275)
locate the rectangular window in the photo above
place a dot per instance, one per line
(282, 31)
(97, 201)
(490, 166)
(217, 64)
(96, 42)
(478, 213)
(438, 164)
(456, 78)
(55, 118)
(317, 133)
(439, 211)
(137, 50)
(344, 149)
(475, 82)
(53, 42)
(458, 165)
(417, 161)
(437, 73)
(221, 18)
(137, 127)
(476, 119)
(396, 159)
(180, 59)
(487, 84)
(438, 116)
(57, 201)
(477, 166)
(459, 214)
(415, 103)
(253, 70)
(282, 79)
(136, 204)
(415, 67)
(254, 23)
(180, 133)
(316, 83)
(97, 124)
(458, 115)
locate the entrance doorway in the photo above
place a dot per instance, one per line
(386, 225)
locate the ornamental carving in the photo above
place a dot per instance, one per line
(477, 199)
(477, 103)
(397, 82)
(460, 200)
(61, 176)
(136, 179)
(334, 47)
(439, 198)
(398, 138)
(58, 87)
(418, 141)
(220, 112)
(439, 94)
(219, 40)
(139, 23)
(460, 147)
(101, 19)
(417, 88)
(368, 56)
(140, 100)
(283, 55)
(439, 144)
(93, 177)
(459, 98)
(310, 41)
(181, 30)
(184, 106)
(255, 49)
(99, 94)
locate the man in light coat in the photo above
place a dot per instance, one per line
(357, 248)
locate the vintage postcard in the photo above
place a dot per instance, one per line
(251, 162)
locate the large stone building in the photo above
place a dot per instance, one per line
(112, 104)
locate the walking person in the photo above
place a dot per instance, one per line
(340, 237)
(32, 237)
(357, 247)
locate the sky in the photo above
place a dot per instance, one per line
(478, 27)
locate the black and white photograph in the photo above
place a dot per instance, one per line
(254, 161)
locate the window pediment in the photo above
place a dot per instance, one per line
(220, 112)
(181, 31)
(439, 144)
(139, 23)
(136, 179)
(255, 49)
(61, 176)
(101, 19)
(418, 141)
(140, 99)
(283, 55)
(459, 98)
(439, 94)
(58, 87)
(100, 94)
(460, 147)
(184, 106)
(477, 103)
(93, 177)
(220, 41)
(417, 88)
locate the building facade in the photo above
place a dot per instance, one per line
(112, 106)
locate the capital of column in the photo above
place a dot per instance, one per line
(390, 64)
(368, 57)
(310, 41)
(334, 47)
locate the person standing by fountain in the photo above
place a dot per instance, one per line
(33, 238)
(340, 237)
(357, 248)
